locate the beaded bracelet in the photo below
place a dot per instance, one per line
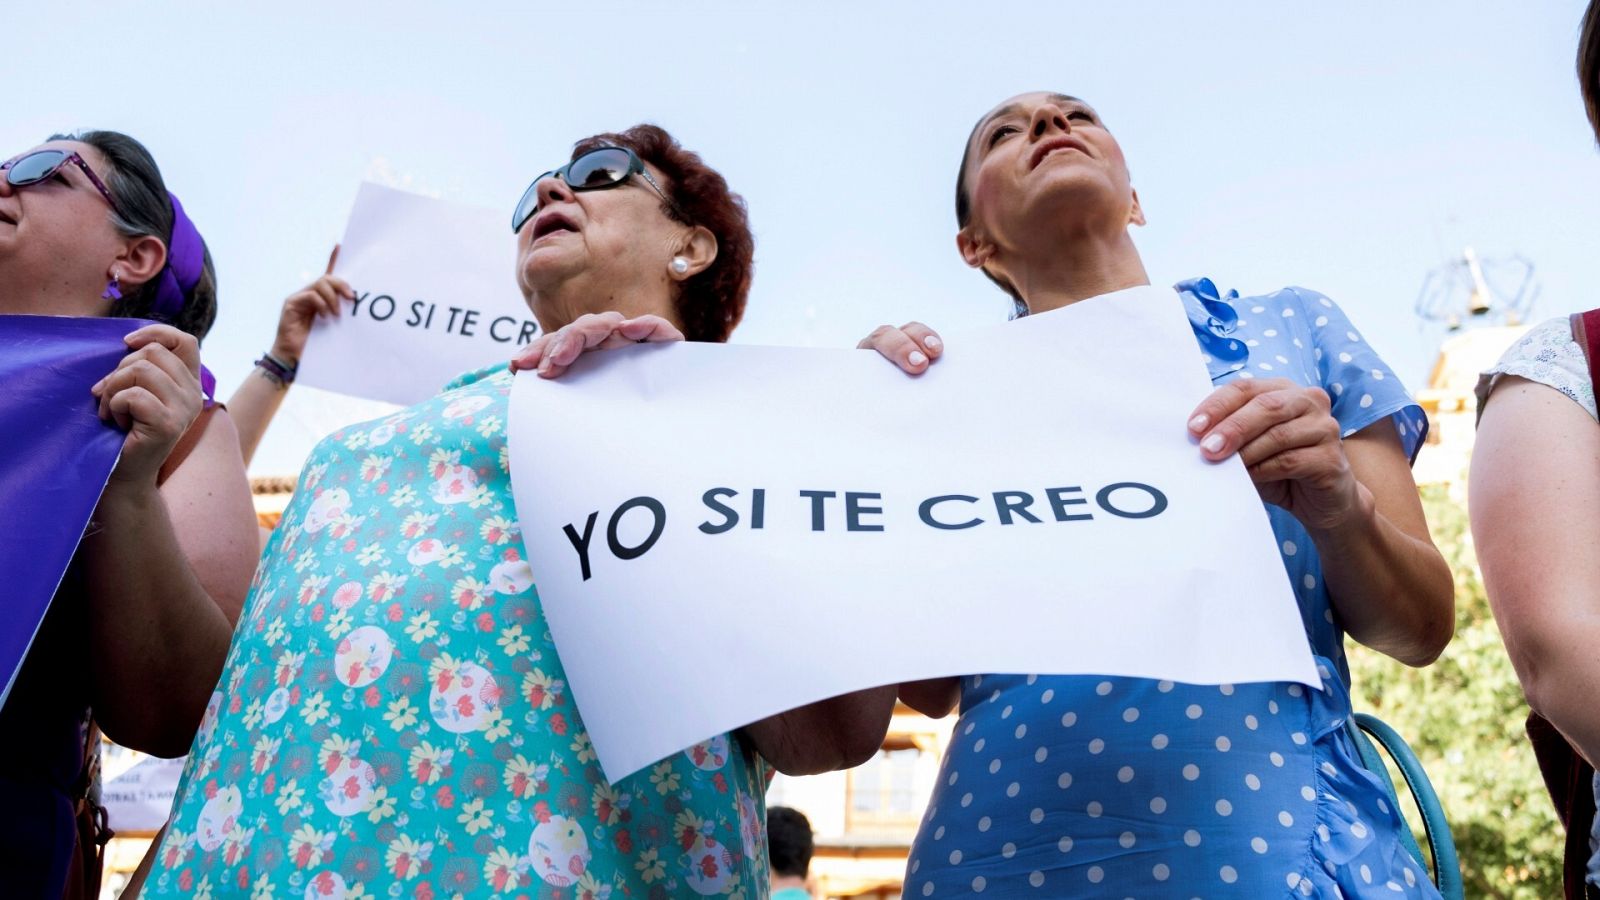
(276, 369)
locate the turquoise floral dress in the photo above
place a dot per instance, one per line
(393, 720)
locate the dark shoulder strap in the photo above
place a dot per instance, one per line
(1570, 781)
(1586, 331)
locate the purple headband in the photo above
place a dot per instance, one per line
(186, 258)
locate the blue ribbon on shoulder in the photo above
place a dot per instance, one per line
(1214, 321)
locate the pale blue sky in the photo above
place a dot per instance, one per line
(1346, 147)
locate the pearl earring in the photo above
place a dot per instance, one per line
(113, 289)
(680, 265)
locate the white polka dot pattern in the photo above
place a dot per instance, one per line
(1126, 786)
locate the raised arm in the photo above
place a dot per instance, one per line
(1535, 507)
(257, 400)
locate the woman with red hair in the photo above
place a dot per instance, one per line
(394, 716)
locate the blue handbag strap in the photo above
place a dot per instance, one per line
(1446, 865)
(1373, 761)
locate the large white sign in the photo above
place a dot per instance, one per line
(436, 295)
(720, 533)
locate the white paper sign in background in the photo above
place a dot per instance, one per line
(436, 295)
(967, 521)
(139, 799)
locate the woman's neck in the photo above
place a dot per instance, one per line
(558, 305)
(1087, 266)
(57, 295)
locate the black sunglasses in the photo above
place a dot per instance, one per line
(33, 168)
(597, 170)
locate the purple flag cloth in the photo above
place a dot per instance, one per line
(55, 457)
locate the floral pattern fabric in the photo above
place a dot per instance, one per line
(1547, 354)
(393, 719)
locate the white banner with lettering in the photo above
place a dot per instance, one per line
(436, 295)
(720, 533)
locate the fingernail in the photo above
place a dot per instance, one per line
(544, 365)
(1212, 444)
(1199, 423)
(916, 358)
(932, 342)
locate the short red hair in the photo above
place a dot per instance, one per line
(711, 303)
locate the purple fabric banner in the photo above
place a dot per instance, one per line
(55, 457)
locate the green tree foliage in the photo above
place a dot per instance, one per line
(1464, 717)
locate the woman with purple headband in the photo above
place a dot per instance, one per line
(138, 629)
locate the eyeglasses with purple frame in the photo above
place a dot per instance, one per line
(32, 168)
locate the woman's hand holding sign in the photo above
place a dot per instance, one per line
(319, 298)
(1289, 441)
(913, 346)
(256, 401)
(1389, 587)
(551, 354)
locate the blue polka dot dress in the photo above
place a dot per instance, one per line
(1088, 786)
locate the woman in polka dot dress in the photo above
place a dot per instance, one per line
(1083, 786)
